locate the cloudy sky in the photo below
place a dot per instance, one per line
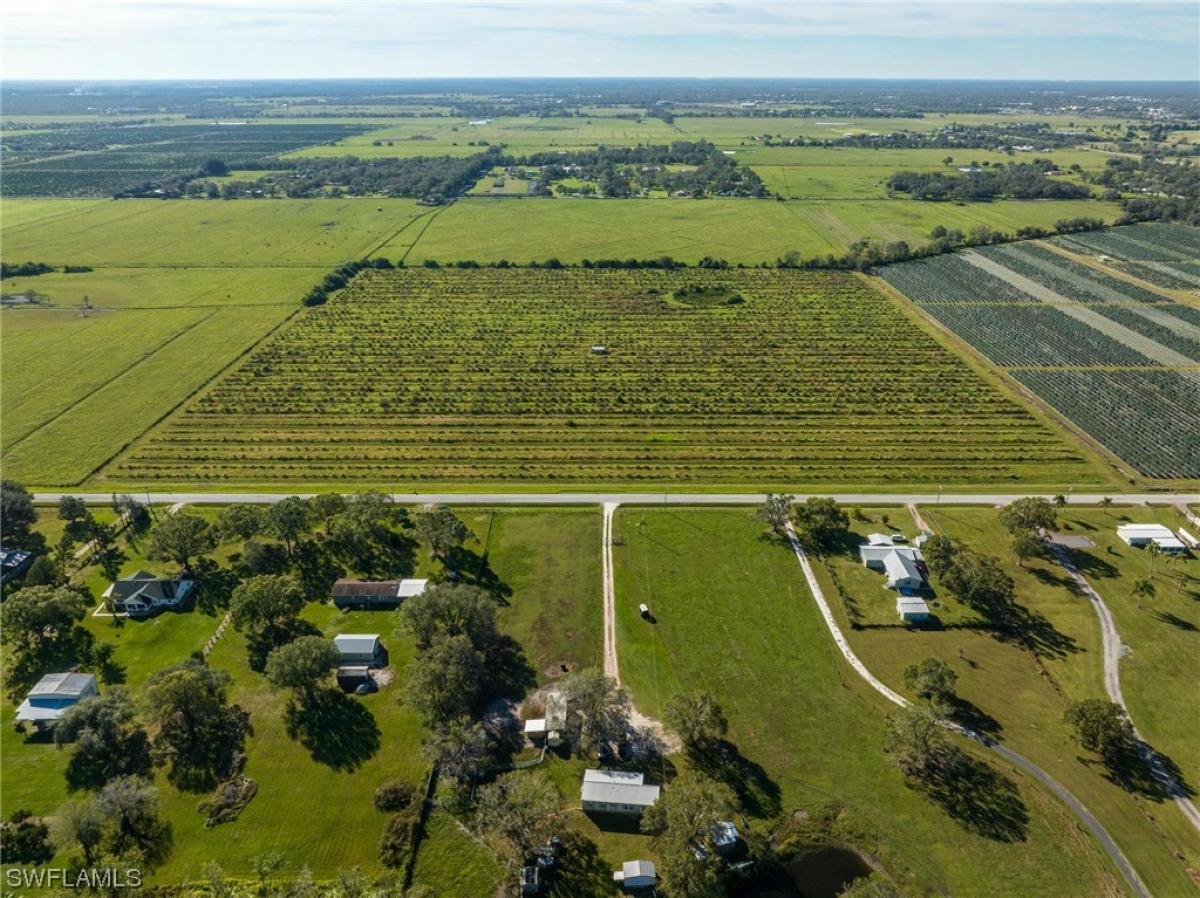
(125, 39)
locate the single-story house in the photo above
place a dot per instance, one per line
(912, 609)
(13, 563)
(902, 572)
(636, 875)
(872, 554)
(1141, 535)
(617, 791)
(52, 695)
(145, 593)
(349, 593)
(360, 648)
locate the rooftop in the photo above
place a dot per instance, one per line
(64, 684)
(356, 643)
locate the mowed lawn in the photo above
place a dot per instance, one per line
(747, 231)
(1018, 695)
(1163, 635)
(733, 616)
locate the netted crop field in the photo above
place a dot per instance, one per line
(1120, 361)
(575, 377)
(1164, 254)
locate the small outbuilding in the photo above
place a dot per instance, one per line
(636, 875)
(912, 609)
(349, 593)
(49, 699)
(14, 563)
(360, 648)
(351, 676)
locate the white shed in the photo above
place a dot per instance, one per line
(364, 648)
(636, 875)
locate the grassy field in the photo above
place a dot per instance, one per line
(734, 617)
(749, 231)
(844, 172)
(178, 291)
(1064, 665)
(520, 135)
(1163, 635)
(486, 377)
(550, 560)
(211, 233)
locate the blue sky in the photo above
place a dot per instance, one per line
(95, 39)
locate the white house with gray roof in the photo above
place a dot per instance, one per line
(617, 791)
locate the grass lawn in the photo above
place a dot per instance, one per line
(316, 811)
(550, 560)
(1025, 712)
(452, 863)
(734, 617)
(1163, 636)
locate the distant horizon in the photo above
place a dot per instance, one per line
(232, 79)
(999, 40)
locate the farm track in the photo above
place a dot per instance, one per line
(1085, 816)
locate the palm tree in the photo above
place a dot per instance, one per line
(1143, 588)
(1106, 503)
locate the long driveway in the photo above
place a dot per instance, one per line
(569, 498)
(1111, 641)
(1086, 817)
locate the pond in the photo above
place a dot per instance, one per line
(820, 872)
(825, 871)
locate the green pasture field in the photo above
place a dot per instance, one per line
(1163, 635)
(486, 377)
(78, 389)
(740, 130)
(844, 172)
(550, 560)
(733, 616)
(486, 186)
(179, 290)
(1017, 695)
(165, 233)
(520, 135)
(749, 231)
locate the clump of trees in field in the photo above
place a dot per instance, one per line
(1023, 180)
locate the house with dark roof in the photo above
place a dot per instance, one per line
(52, 695)
(143, 593)
(14, 563)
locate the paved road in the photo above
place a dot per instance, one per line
(1089, 820)
(565, 498)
